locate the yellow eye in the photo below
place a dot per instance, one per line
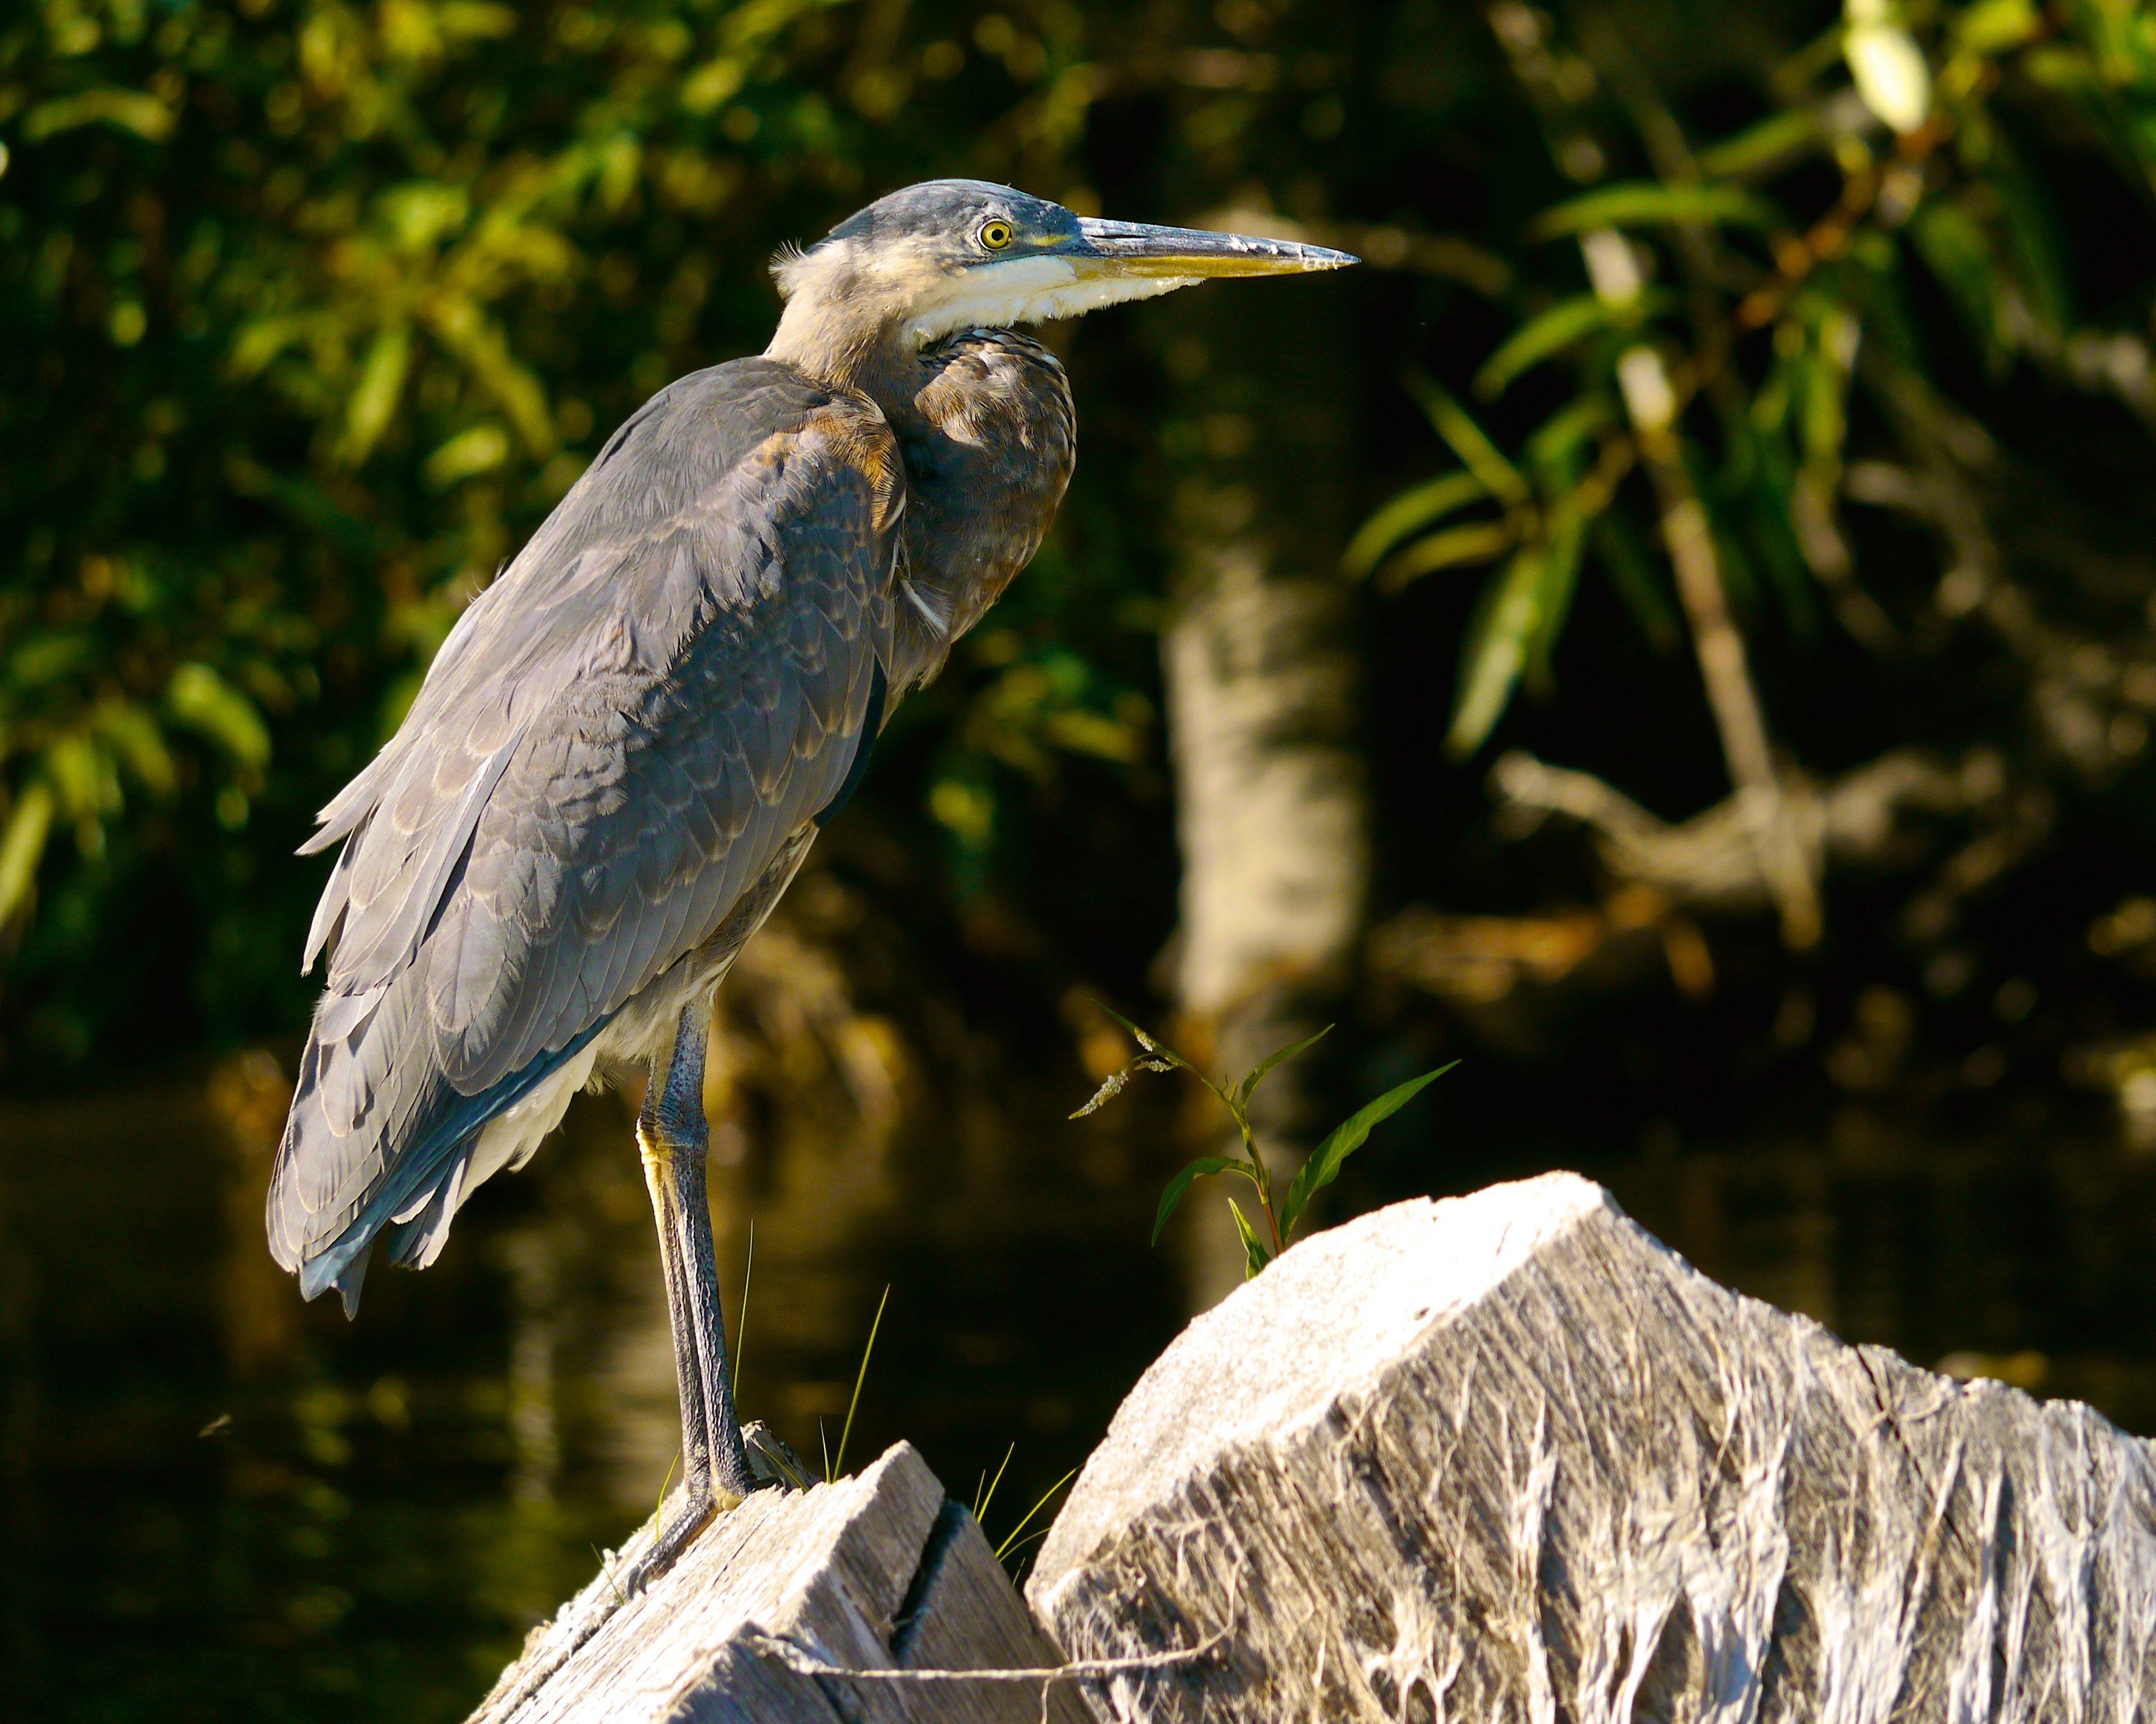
(996, 235)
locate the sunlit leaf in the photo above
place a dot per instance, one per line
(1638, 204)
(204, 701)
(1496, 650)
(134, 736)
(1991, 27)
(47, 657)
(1449, 549)
(22, 844)
(134, 111)
(374, 396)
(1256, 1256)
(1278, 1057)
(1198, 1169)
(466, 330)
(1557, 576)
(79, 777)
(1543, 337)
(1420, 506)
(1473, 445)
(479, 449)
(476, 18)
(1557, 444)
(1350, 1135)
(1767, 145)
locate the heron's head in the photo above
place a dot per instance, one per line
(952, 255)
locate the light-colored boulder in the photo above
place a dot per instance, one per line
(1508, 1458)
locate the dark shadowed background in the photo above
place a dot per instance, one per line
(1674, 632)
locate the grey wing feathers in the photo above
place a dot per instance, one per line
(617, 740)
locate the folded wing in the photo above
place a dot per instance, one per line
(618, 740)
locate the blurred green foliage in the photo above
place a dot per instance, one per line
(316, 310)
(1733, 300)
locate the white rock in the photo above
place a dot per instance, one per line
(1508, 1457)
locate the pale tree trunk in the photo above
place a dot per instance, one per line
(1263, 709)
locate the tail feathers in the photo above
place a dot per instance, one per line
(411, 1192)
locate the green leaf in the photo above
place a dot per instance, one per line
(204, 701)
(1496, 650)
(1279, 1056)
(1763, 146)
(1197, 1170)
(1449, 549)
(129, 110)
(373, 401)
(1469, 441)
(479, 449)
(1543, 337)
(134, 736)
(1556, 580)
(22, 844)
(1995, 26)
(1557, 446)
(1256, 1256)
(1422, 506)
(1323, 1165)
(1638, 204)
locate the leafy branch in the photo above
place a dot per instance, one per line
(1281, 1213)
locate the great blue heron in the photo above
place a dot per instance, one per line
(626, 747)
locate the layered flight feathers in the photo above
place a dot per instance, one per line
(618, 740)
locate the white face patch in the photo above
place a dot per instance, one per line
(835, 294)
(1027, 290)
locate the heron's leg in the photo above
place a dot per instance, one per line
(675, 1138)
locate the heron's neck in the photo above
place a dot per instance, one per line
(861, 347)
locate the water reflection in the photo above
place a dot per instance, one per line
(221, 1505)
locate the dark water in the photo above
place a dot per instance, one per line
(220, 1504)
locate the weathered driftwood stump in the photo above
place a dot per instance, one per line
(1509, 1458)
(863, 1601)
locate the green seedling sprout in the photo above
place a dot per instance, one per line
(1282, 1214)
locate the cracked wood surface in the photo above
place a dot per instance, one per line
(879, 1572)
(1509, 1458)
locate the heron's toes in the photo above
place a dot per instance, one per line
(770, 1461)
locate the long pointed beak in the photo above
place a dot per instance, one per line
(1135, 248)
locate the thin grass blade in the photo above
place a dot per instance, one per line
(1034, 1510)
(987, 1494)
(741, 1324)
(860, 1377)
